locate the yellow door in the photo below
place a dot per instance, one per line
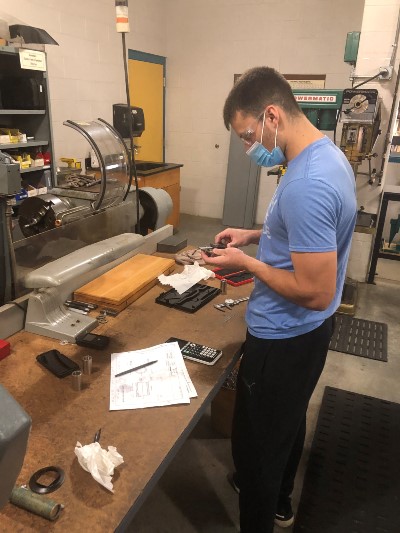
(146, 86)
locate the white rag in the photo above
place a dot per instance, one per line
(191, 275)
(100, 463)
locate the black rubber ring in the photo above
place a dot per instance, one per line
(54, 485)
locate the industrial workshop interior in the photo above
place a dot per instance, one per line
(170, 307)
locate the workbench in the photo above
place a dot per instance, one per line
(148, 439)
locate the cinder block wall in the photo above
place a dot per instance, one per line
(210, 41)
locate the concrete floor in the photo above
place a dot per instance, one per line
(193, 495)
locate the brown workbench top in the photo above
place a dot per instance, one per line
(146, 438)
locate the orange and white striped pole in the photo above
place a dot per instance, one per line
(122, 16)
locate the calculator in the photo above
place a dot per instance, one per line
(197, 352)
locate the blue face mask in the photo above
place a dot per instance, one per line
(263, 157)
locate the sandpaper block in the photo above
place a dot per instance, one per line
(172, 244)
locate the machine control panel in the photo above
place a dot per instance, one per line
(361, 116)
(359, 105)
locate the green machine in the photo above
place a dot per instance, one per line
(359, 112)
(321, 106)
(324, 108)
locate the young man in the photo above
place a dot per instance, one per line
(299, 274)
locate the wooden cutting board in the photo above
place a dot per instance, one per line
(125, 283)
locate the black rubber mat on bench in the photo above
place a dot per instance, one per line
(352, 481)
(359, 337)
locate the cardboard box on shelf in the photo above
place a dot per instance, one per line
(12, 134)
(32, 191)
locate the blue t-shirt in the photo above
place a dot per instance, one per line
(313, 210)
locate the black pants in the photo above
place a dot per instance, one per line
(275, 382)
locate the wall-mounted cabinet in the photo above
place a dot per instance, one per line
(25, 108)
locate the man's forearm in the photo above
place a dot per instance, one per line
(254, 236)
(285, 283)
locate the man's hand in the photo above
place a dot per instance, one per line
(234, 237)
(227, 258)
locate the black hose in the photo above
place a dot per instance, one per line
(369, 79)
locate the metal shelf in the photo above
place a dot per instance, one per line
(35, 121)
(9, 49)
(34, 169)
(22, 111)
(389, 255)
(23, 145)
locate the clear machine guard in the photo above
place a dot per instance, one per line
(113, 158)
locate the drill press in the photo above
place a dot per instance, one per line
(359, 112)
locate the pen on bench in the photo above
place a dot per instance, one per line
(135, 368)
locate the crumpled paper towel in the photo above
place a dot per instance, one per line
(190, 276)
(99, 462)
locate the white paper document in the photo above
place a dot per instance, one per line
(166, 382)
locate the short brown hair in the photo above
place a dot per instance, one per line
(257, 88)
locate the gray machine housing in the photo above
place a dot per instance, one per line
(10, 178)
(47, 315)
(15, 426)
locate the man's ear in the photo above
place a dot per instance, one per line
(272, 115)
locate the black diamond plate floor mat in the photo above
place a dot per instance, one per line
(360, 337)
(352, 482)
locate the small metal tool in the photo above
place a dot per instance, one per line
(208, 249)
(75, 306)
(87, 364)
(102, 317)
(239, 300)
(78, 303)
(79, 311)
(76, 380)
(229, 303)
(223, 286)
(110, 312)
